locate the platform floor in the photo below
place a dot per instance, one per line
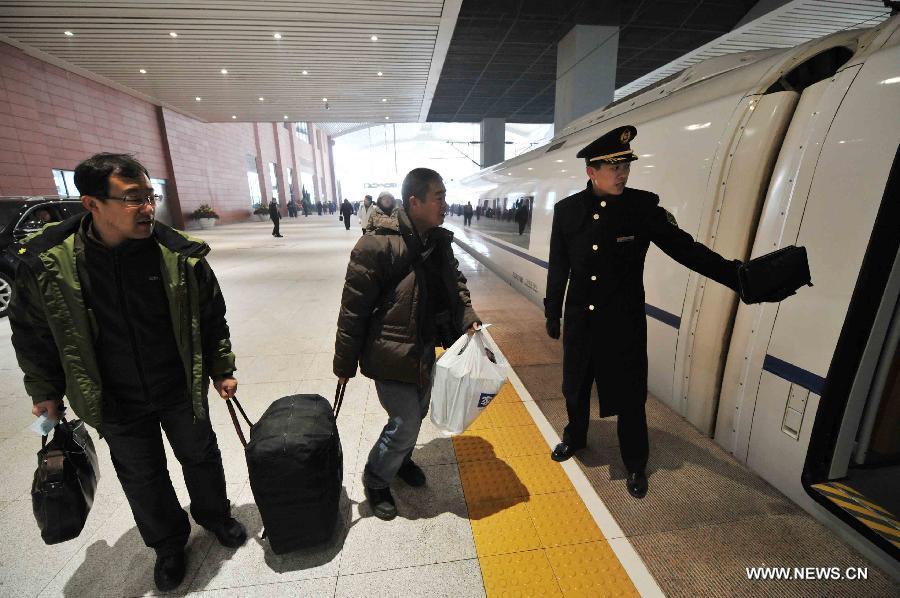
(705, 519)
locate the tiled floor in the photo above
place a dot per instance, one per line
(533, 533)
(706, 517)
(282, 297)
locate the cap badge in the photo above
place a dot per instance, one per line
(625, 137)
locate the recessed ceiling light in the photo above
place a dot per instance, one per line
(384, 99)
(233, 116)
(530, 168)
(285, 117)
(198, 98)
(173, 34)
(560, 161)
(143, 71)
(387, 118)
(68, 33)
(305, 72)
(261, 98)
(379, 73)
(563, 170)
(324, 99)
(224, 71)
(374, 38)
(277, 36)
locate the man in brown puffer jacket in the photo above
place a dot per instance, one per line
(403, 295)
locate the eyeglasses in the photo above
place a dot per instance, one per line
(136, 200)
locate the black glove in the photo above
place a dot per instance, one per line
(553, 328)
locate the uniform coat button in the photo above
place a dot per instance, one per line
(594, 247)
(591, 307)
(602, 204)
(596, 216)
(593, 278)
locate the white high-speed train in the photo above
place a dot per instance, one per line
(752, 152)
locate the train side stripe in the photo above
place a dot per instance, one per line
(515, 252)
(654, 312)
(663, 316)
(808, 380)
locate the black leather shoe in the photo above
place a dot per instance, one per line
(412, 474)
(563, 452)
(230, 533)
(637, 484)
(168, 573)
(381, 501)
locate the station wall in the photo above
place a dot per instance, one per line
(51, 118)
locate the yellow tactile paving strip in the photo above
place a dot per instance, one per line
(533, 534)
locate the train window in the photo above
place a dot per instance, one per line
(821, 66)
(555, 146)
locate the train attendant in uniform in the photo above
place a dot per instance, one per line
(598, 243)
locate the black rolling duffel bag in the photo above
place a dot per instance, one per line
(295, 464)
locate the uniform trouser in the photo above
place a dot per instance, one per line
(136, 447)
(467, 220)
(406, 406)
(347, 222)
(275, 227)
(634, 444)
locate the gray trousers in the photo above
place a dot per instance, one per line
(406, 406)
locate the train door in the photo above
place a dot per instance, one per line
(803, 375)
(853, 463)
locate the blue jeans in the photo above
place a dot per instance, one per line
(406, 406)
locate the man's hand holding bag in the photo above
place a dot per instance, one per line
(466, 379)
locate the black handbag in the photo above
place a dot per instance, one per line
(64, 482)
(774, 276)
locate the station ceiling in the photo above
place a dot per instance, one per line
(502, 59)
(378, 61)
(246, 60)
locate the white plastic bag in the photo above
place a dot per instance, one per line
(465, 382)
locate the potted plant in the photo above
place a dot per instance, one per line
(261, 211)
(205, 215)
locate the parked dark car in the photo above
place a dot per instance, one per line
(19, 217)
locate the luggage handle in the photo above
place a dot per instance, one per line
(234, 419)
(338, 401)
(339, 398)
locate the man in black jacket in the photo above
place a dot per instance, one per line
(275, 217)
(598, 243)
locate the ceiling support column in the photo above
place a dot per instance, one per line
(585, 71)
(493, 141)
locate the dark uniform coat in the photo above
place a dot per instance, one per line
(597, 247)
